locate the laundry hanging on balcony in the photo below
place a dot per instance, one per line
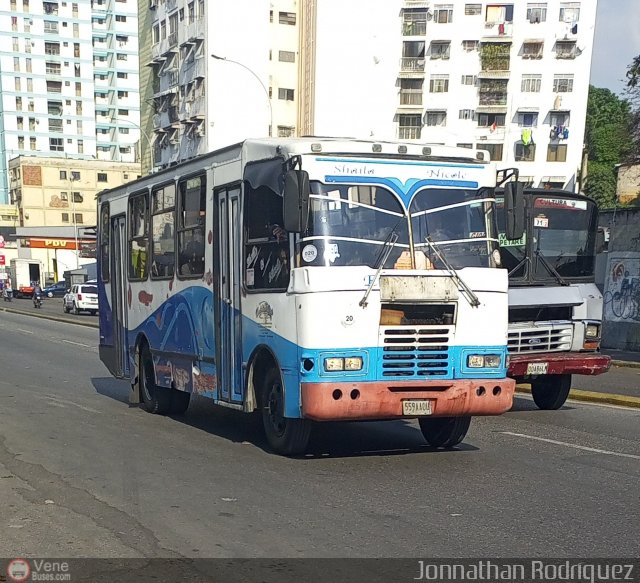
(559, 133)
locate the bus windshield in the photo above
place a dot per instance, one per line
(350, 225)
(564, 232)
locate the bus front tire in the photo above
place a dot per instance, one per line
(285, 436)
(155, 399)
(550, 392)
(444, 432)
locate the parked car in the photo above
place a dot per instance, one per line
(81, 297)
(56, 290)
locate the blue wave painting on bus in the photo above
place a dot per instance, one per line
(312, 280)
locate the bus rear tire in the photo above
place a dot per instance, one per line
(155, 399)
(550, 392)
(444, 432)
(285, 436)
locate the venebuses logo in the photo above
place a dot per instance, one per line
(18, 570)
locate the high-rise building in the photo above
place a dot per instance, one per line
(68, 80)
(509, 77)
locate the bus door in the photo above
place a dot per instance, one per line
(229, 258)
(119, 294)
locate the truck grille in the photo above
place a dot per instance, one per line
(542, 338)
(415, 352)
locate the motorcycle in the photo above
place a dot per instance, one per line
(37, 301)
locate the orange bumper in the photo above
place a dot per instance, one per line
(383, 400)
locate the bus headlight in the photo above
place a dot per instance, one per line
(353, 363)
(484, 361)
(592, 331)
(333, 364)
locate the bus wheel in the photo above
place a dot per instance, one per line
(286, 436)
(444, 431)
(154, 399)
(550, 392)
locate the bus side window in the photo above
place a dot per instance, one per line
(104, 242)
(138, 236)
(163, 257)
(191, 225)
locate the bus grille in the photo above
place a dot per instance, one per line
(542, 338)
(415, 352)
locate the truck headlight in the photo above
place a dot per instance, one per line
(333, 364)
(484, 361)
(353, 363)
(592, 331)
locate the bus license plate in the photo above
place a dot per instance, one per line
(422, 407)
(537, 368)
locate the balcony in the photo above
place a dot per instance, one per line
(412, 64)
(195, 30)
(410, 97)
(497, 31)
(566, 50)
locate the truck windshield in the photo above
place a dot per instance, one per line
(564, 232)
(350, 225)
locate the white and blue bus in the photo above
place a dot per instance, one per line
(312, 280)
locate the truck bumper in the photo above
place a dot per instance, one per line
(344, 401)
(584, 363)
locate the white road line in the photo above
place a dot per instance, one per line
(76, 343)
(25, 331)
(573, 445)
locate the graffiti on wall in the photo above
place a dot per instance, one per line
(622, 288)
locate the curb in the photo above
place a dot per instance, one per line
(625, 363)
(593, 397)
(45, 316)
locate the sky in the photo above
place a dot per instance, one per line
(617, 42)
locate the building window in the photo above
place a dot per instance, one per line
(466, 114)
(566, 49)
(122, 94)
(32, 143)
(472, 9)
(414, 22)
(499, 13)
(439, 84)
(286, 131)
(56, 144)
(122, 75)
(20, 123)
(440, 49)
(287, 56)
(287, 18)
(17, 83)
(75, 175)
(65, 217)
(52, 68)
(436, 119)
(286, 94)
(557, 153)
(495, 151)
(559, 119)
(563, 83)
(487, 120)
(121, 18)
(469, 79)
(409, 127)
(525, 153)
(532, 50)
(50, 27)
(411, 91)
(537, 13)
(443, 13)
(569, 12)
(102, 177)
(413, 56)
(531, 83)
(78, 218)
(528, 120)
(470, 45)
(63, 174)
(163, 202)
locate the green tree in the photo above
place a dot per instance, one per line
(608, 140)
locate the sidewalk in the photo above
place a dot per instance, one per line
(623, 357)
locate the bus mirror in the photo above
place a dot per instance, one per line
(514, 210)
(296, 201)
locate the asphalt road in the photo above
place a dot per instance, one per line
(84, 474)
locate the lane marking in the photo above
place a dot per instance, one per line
(59, 402)
(573, 445)
(76, 343)
(25, 331)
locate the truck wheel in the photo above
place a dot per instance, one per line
(285, 436)
(444, 432)
(155, 399)
(550, 392)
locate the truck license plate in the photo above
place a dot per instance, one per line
(416, 407)
(537, 368)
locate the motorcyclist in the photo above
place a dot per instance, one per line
(37, 294)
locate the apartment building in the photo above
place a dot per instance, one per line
(68, 80)
(509, 77)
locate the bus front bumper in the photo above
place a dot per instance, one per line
(584, 363)
(350, 401)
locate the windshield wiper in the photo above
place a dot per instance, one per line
(388, 245)
(467, 292)
(550, 268)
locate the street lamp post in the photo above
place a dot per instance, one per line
(135, 125)
(266, 91)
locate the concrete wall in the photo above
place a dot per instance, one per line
(621, 280)
(628, 187)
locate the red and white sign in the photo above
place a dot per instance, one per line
(3, 260)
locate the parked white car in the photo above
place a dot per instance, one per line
(81, 297)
